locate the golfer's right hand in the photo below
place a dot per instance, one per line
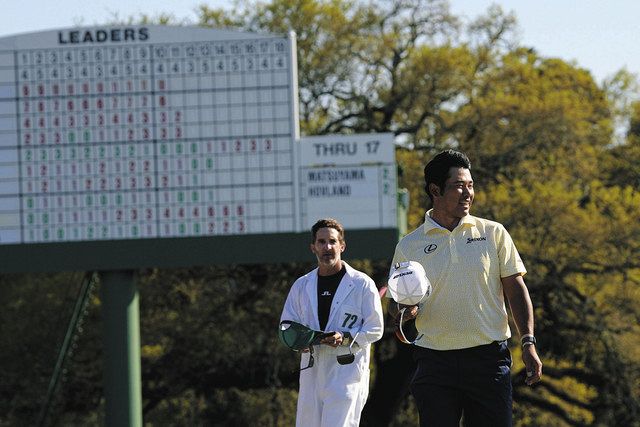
(410, 312)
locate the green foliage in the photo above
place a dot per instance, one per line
(33, 320)
(582, 253)
(270, 407)
(411, 166)
(622, 168)
(218, 324)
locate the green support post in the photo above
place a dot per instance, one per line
(122, 388)
(403, 211)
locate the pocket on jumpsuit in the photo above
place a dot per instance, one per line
(347, 379)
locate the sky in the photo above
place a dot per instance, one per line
(601, 36)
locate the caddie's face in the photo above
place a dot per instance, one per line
(328, 250)
(457, 197)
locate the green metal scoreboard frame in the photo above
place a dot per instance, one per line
(139, 146)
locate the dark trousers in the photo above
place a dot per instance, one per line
(473, 381)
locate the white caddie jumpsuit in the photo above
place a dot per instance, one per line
(333, 395)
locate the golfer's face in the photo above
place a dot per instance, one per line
(458, 193)
(328, 248)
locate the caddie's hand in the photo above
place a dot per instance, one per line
(532, 364)
(333, 340)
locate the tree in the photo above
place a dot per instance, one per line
(218, 326)
(36, 309)
(622, 168)
(583, 280)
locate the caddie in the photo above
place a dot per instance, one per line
(345, 303)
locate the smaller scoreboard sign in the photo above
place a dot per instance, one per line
(351, 178)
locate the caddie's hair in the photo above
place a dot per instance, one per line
(327, 223)
(437, 170)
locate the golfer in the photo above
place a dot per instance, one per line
(337, 298)
(463, 362)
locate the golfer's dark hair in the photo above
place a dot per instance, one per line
(327, 223)
(437, 170)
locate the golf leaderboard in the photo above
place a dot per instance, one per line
(138, 132)
(146, 145)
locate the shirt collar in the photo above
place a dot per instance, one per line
(430, 224)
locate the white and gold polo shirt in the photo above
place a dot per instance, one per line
(466, 307)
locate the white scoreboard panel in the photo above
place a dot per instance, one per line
(138, 132)
(351, 178)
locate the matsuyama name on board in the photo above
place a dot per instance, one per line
(103, 35)
(335, 175)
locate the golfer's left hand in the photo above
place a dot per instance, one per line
(532, 364)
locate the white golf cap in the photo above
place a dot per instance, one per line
(408, 283)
